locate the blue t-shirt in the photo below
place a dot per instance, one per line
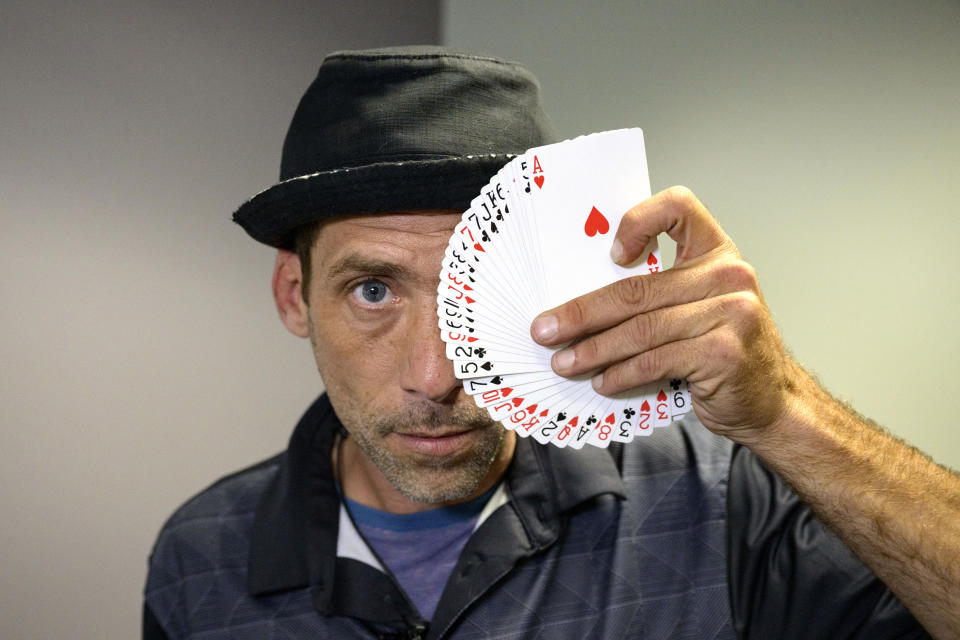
(420, 549)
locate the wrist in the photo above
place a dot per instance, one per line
(786, 405)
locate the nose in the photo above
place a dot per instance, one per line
(428, 372)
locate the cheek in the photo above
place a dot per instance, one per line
(359, 368)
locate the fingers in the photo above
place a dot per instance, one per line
(679, 214)
(706, 356)
(671, 342)
(638, 334)
(707, 264)
(622, 300)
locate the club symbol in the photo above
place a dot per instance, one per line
(480, 352)
(485, 237)
(561, 416)
(675, 383)
(493, 227)
(628, 412)
(470, 329)
(591, 420)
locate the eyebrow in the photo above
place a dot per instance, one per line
(355, 263)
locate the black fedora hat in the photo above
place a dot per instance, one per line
(397, 129)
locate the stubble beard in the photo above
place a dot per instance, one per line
(444, 479)
(441, 479)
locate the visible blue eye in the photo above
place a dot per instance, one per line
(372, 292)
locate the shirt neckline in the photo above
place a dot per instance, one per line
(430, 519)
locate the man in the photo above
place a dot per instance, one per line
(400, 510)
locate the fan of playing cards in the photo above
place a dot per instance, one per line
(538, 235)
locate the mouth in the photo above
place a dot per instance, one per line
(439, 443)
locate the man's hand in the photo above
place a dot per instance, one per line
(704, 320)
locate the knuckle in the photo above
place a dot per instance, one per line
(739, 275)
(645, 367)
(587, 352)
(613, 378)
(681, 196)
(632, 291)
(575, 312)
(727, 348)
(640, 328)
(742, 305)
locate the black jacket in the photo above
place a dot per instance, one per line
(681, 534)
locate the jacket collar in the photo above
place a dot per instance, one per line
(297, 518)
(294, 539)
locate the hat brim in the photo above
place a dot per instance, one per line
(273, 215)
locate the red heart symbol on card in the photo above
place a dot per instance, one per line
(652, 259)
(517, 402)
(610, 419)
(596, 223)
(573, 421)
(506, 391)
(661, 397)
(539, 181)
(645, 406)
(477, 246)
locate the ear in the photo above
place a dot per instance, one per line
(287, 293)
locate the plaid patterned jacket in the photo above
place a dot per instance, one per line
(681, 536)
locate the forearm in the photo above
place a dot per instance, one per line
(894, 507)
(704, 320)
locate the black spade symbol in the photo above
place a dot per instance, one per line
(497, 380)
(480, 352)
(493, 226)
(561, 416)
(471, 269)
(470, 329)
(486, 366)
(485, 237)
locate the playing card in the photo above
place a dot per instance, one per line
(537, 235)
(575, 226)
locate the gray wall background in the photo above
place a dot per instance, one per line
(825, 138)
(142, 355)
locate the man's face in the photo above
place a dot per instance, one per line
(373, 326)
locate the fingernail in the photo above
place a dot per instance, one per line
(616, 251)
(564, 359)
(545, 327)
(597, 381)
